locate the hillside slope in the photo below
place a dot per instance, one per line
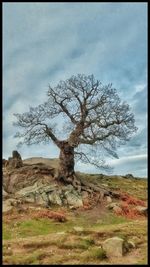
(33, 234)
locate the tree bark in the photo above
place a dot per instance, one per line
(67, 174)
(66, 165)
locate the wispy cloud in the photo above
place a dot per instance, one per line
(46, 42)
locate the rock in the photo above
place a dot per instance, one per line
(131, 244)
(54, 198)
(5, 162)
(68, 188)
(114, 247)
(27, 190)
(108, 199)
(85, 194)
(15, 154)
(129, 176)
(112, 205)
(5, 194)
(30, 198)
(14, 202)
(39, 199)
(106, 185)
(73, 199)
(9, 204)
(78, 229)
(6, 206)
(141, 210)
(15, 161)
(85, 197)
(117, 209)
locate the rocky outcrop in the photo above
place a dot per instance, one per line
(18, 178)
(128, 176)
(51, 195)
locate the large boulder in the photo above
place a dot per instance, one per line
(115, 247)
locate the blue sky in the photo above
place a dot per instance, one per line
(47, 42)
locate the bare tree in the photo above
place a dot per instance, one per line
(93, 117)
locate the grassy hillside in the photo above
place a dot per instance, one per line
(31, 237)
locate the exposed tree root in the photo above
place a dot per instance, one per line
(92, 189)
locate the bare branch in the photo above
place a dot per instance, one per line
(92, 114)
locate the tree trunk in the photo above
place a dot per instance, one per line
(66, 165)
(67, 174)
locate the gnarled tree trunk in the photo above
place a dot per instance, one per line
(66, 167)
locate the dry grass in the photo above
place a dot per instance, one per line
(44, 236)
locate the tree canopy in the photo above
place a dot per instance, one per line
(94, 120)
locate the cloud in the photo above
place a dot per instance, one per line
(46, 42)
(136, 165)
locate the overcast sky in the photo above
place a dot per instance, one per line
(47, 42)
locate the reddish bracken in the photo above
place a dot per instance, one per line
(57, 216)
(128, 211)
(131, 200)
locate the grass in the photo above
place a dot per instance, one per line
(7, 232)
(94, 254)
(23, 259)
(135, 186)
(34, 227)
(31, 241)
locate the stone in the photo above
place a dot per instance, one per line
(142, 210)
(78, 229)
(5, 194)
(114, 247)
(85, 197)
(15, 161)
(131, 244)
(27, 190)
(15, 154)
(30, 198)
(73, 199)
(85, 194)
(9, 204)
(6, 206)
(39, 200)
(106, 185)
(108, 199)
(45, 198)
(5, 162)
(129, 176)
(112, 205)
(68, 188)
(117, 209)
(54, 198)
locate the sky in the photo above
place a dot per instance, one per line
(44, 43)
